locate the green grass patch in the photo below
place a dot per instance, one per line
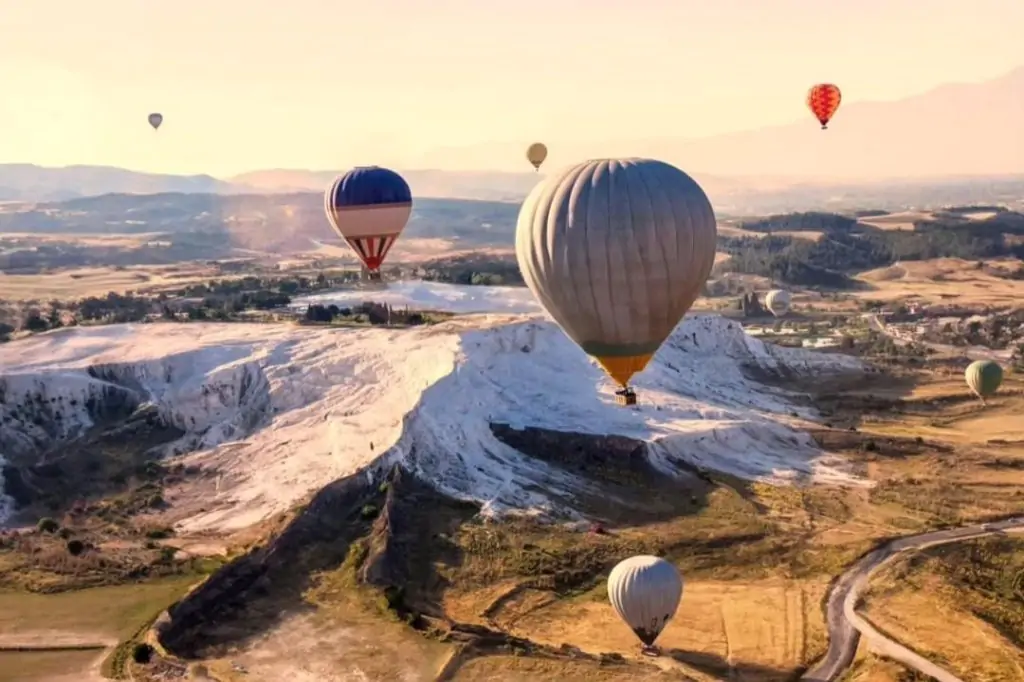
(122, 612)
(39, 666)
(113, 612)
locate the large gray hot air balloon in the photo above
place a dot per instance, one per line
(777, 302)
(155, 120)
(645, 591)
(617, 250)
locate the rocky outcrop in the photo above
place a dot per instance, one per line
(38, 412)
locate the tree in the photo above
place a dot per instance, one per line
(142, 653)
(34, 322)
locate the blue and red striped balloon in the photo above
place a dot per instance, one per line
(369, 207)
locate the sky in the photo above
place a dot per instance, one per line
(325, 84)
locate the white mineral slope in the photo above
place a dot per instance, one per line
(420, 295)
(280, 410)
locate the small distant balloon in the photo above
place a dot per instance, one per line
(645, 591)
(983, 377)
(536, 154)
(777, 302)
(823, 100)
(155, 120)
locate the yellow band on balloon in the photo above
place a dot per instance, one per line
(621, 368)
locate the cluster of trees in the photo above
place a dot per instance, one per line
(214, 300)
(846, 246)
(366, 313)
(751, 306)
(473, 269)
(812, 221)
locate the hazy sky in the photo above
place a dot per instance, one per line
(332, 83)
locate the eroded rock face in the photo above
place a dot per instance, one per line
(38, 412)
(576, 451)
(172, 404)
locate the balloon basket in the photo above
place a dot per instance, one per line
(650, 651)
(625, 397)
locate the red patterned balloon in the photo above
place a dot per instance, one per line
(823, 100)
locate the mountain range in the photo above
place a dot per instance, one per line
(953, 130)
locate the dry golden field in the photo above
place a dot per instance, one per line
(943, 280)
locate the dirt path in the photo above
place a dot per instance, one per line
(845, 626)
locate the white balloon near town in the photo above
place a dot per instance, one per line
(645, 591)
(777, 301)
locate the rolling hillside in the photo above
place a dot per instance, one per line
(279, 223)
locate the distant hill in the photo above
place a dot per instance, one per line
(956, 129)
(275, 223)
(28, 182)
(483, 185)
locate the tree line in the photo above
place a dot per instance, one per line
(846, 246)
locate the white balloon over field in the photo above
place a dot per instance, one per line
(645, 591)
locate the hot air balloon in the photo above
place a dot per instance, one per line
(777, 302)
(369, 207)
(155, 120)
(823, 100)
(617, 250)
(645, 591)
(983, 377)
(536, 154)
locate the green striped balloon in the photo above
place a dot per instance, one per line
(983, 377)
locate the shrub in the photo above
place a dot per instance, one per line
(48, 525)
(142, 653)
(75, 547)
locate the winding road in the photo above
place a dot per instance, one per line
(845, 626)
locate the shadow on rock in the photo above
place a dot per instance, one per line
(259, 590)
(624, 488)
(387, 532)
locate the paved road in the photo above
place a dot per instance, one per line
(845, 627)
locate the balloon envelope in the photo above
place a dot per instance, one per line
(155, 120)
(983, 377)
(536, 154)
(617, 250)
(777, 302)
(823, 100)
(368, 207)
(645, 591)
